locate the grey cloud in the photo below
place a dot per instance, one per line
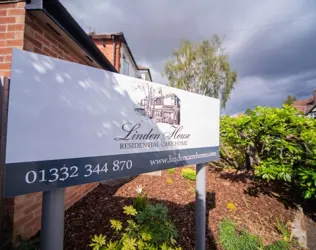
(253, 91)
(272, 60)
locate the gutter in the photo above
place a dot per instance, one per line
(114, 50)
(58, 13)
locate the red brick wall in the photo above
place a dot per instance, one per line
(40, 39)
(12, 16)
(23, 30)
(106, 47)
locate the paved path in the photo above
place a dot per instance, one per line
(310, 233)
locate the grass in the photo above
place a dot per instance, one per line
(284, 230)
(189, 174)
(232, 239)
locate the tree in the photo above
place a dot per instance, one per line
(248, 111)
(202, 68)
(289, 100)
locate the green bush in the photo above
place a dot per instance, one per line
(189, 173)
(231, 239)
(151, 228)
(278, 143)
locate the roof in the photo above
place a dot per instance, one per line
(140, 67)
(62, 18)
(121, 37)
(310, 109)
(306, 105)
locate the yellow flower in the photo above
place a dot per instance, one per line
(231, 206)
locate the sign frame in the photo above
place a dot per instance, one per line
(53, 194)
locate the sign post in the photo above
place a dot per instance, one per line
(53, 210)
(83, 125)
(200, 207)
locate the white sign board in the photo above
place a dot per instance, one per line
(71, 124)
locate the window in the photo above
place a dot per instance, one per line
(159, 101)
(157, 113)
(125, 65)
(312, 115)
(168, 115)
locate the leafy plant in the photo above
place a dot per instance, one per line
(141, 201)
(149, 228)
(274, 143)
(189, 173)
(155, 220)
(284, 231)
(129, 210)
(98, 241)
(171, 170)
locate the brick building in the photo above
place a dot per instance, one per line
(115, 47)
(47, 28)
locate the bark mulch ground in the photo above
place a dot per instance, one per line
(254, 210)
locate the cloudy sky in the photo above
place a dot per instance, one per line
(271, 43)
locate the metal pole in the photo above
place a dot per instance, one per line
(53, 211)
(200, 207)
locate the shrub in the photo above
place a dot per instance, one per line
(277, 143)
(231, 239)
(189, 173)
(151, 228)
(155, 220)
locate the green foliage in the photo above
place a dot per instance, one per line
(278, 245)
(32, 244)
(151, 229)
(189, 173)
(155, 220)
(307, 179)
(140, 202)
(171, 170)
(248, 111)
(97, 242)
(232, 239)
(202, 68)
(116, 225)
(284, 231)
(278, 143)
(129, 210)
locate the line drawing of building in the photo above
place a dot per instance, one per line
(161, 109)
